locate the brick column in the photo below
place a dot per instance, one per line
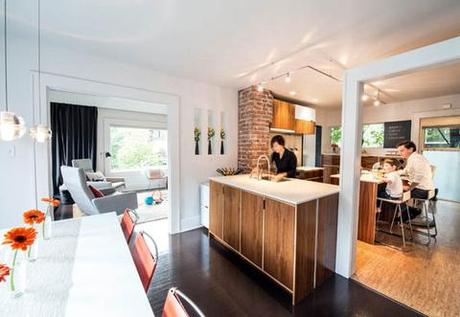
(254, 117)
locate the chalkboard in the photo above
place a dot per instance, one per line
(395, 132)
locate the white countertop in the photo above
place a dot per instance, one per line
(293, 191)
(85, 269)
(365, 177)
(309, 168)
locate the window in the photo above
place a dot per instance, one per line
(441, 137)
(373, 135)
(336, 135)
(137, 148)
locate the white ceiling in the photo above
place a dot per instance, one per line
(240, 42)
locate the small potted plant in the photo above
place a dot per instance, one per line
(222, 138)
(211, 134)
(197, 135)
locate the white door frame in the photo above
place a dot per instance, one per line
(429, 56)
(103, 89)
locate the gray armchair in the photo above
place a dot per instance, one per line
(107, 185)
(75, 182)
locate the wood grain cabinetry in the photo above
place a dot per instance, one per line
(293, 244)
(315, 175)
(283, 115)
(216, 208)
(279, 241)
(231, 225)
(252, 214)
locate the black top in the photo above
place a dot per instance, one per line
(286, 164)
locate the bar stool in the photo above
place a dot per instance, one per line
(398, 212)
(428, 207)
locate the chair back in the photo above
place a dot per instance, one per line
(174, 307)
(75, 182)
(128, 224)
(145, 261)
(85, 164)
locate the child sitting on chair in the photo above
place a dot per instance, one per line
(394, 185)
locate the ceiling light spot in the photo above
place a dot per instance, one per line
(292, 93)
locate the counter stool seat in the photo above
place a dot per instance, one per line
(424, 221)
(398, 212)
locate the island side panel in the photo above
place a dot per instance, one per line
(216, 208)
(279, 241)
(367, 211)
(252, 227)
(326, 237)
(231, 225)
(305, 250)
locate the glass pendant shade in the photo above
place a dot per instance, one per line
(40, 133)
(12, 127)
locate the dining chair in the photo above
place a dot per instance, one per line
(145, 261)
(174, 306)
(128, 222)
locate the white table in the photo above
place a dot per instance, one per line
(86, 269)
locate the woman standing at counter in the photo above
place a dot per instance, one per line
(285, 160)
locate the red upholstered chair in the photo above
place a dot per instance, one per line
(145, 261)
(173, 305)
(128, 224)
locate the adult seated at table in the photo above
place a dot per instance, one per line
(418, 171)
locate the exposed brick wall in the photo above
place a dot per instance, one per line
(254, 117)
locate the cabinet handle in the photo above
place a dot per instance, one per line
(263, 204)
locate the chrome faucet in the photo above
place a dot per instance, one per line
(259, 172)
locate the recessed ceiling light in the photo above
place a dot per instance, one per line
(377, 103)
(287, 78)
(315, 100)
(292, 93)
(365, 97)
(260, 88)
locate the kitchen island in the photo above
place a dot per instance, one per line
(287, 229)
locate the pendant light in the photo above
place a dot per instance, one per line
(40, 132)
(12, 127)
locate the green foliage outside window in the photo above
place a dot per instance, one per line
(137, 148)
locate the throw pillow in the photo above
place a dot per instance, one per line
(96, 192)
(95, 177)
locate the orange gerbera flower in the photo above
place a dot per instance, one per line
(33, 216)
(51, 201)
(4, 272)
(20, 238)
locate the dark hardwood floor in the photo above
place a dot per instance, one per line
(222, 284)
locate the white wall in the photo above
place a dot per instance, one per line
(16, 181)
(407, 110)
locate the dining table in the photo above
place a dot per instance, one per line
(85, 269)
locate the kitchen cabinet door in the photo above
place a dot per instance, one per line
(283, 115)
(231, 226)
(252, 227)
(279, 241)
(216, 208)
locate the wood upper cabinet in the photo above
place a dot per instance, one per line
(283, 115)
(231, 226)
(304, 127)
(279, 241)
(252, 227)
(216, 208)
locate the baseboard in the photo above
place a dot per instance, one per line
(190, 223)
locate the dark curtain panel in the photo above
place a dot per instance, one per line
(74, 137)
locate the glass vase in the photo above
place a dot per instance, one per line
(18, 274)
(32, 251)
(47, 231)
